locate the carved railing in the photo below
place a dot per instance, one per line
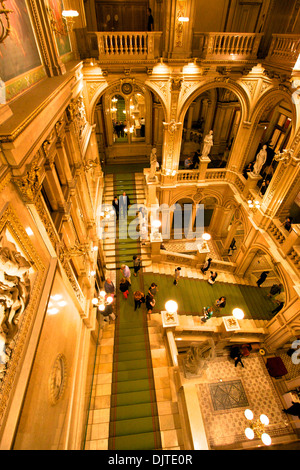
(237, 46)
(117, 45)
(187, 175)
(284, 50)
(276, 232)
(215, 174)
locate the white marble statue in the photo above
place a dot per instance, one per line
(261, 158)
(207, 144)
(153, 164)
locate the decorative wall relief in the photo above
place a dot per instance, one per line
(77, 113)
(57, 379)
(21, 279)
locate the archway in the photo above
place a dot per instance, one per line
(128, 120)
(220, 108)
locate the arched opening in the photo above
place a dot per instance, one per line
(272, 134)
(219, 110)
(128, 119)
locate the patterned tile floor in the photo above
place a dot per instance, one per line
(226, 426)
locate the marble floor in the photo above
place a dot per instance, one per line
(225, 427)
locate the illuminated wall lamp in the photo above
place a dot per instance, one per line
(68, 16)
(183, 19)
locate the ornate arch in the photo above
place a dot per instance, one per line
(270, 98)
(290, 294)
(108, 87)
(219, 82)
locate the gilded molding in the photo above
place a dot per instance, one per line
(14, 347)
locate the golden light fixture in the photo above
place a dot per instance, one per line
(67, 21)
(257, 427)
(102, 301)
(68, 16)
(238, 313)
(5, 22)
(253, 204)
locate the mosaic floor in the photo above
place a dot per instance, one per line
(229, 390)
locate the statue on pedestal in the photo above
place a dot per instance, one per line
(261, 158)
(153, 165)
(207, 144)
(198, 358)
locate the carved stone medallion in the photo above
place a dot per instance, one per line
(57, 380)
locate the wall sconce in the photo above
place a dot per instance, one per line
(257, 427)
(4, 25)
(180, 19)
(68, 16)
(67, 21)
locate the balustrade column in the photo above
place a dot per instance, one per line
(284, 184)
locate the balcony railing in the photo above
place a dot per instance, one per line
(119, 45)
(284, 50)
(235, 46)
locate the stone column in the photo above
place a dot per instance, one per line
(189, 121)
(285, 181)
(236, 163)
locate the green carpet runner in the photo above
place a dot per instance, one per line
(194, 294)
(134, 423)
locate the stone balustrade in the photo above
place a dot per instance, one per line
(284, 50)
(237, 46)
(132, 44)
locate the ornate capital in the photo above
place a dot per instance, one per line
(287, 156)
(29, 185)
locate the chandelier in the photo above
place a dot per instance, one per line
(102, 301)
(257, 427)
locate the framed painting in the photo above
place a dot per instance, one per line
(19, 52)
(61, 34)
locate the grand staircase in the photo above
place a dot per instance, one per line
(125, 249)
(134, 422)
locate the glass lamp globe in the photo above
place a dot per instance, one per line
(238, 313)
(266, 439)
(156, 223)
(248, 413)
(101, 307)
(264, 419)
(102, 293)
(171, 306)
(94, 301)
(249, 433)
(109, 299)
(206, 236)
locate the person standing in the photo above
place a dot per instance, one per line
(126, 272)
(212, 278)
(108, 313)
(206, 265)
(279, 299)
(236, 354)
(275, 289)
(124, 204)
(177, 276)
(208, 313)
(150, 25)
(139, 299)
(124, 285)
(150, 302)
(116, 206)
(136, 265)
(153, 289)
(109, 286)
(221, 302)
(262, 278)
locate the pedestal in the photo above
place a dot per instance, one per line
(155, 243)
(204, 161)
(202, 253)
(251, 183)
(151, 185)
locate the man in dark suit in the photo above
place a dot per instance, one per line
(116, 206)
(124, 204)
